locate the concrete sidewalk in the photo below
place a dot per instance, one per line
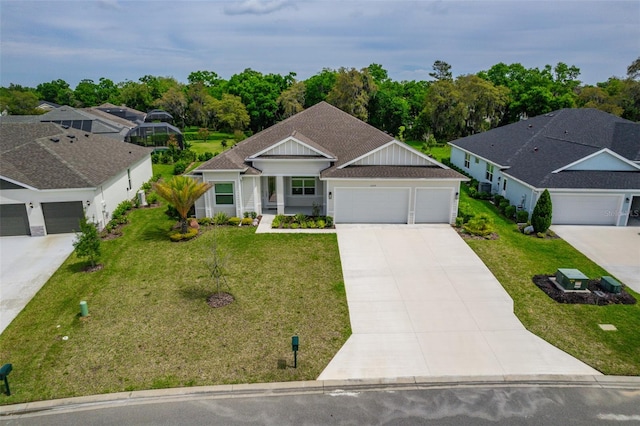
(27, 263)
(423, 304)
(614, 248)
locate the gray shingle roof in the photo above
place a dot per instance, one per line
(29, 154)
(329, 130)
(532, 149)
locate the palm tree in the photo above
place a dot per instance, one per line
(181, 192)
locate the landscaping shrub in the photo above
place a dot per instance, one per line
(459, 222)
(465, 212)
(541, 216)
(247, 221)
(522, 216)
(480, 225)
(510, 211)
(178, 236)
(245, 215)
(206, 156)
(503, 205)
(179, 168)
(253, 215)
(497, 199)
(205, 221)
(321, 223)
(152, 198)
(300, 218)
(329, 221)
(220, 218)
(234, 221)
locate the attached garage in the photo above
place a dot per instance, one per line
(371, 205)
(13, 220)
(433, 205)
(572, 209)
(62, 218)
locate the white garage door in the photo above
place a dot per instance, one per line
(371, 205)
(585, 209)
(433, 205)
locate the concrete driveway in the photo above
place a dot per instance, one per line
(615, 248)
(26, 263)
(423, 304)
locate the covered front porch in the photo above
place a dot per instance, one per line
(290, 195)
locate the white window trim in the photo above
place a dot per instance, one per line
(315, 186)
(232, 193)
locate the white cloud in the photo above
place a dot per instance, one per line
(257, 7)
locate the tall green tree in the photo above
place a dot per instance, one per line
(86, 93)
(87, 241)
(259, 93)
(319, 86)
(542, 213)
(174, 101)
(228, 114)
(181, 192)
(352, 91)
(198, 98)
(441, 71)
(135, 95)
(291, 100)
(56, 91)
(16, 100)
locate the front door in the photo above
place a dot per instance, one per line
(270, 194)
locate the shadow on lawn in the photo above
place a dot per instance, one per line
(155, 233)
(195, 293)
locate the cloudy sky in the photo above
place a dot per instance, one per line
(123, 40)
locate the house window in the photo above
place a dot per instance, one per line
(467, 160)
(224, 193)
(489, 174)
(477, 160)
(303, 186)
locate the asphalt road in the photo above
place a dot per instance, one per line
(460, 405)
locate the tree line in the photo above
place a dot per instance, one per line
(440, 109)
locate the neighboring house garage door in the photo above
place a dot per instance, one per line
(13, 220)
(433, 205)
(585, 209)
(62, 218)
(371, 205)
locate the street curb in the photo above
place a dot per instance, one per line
(329, 387)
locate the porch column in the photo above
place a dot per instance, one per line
(280, 194)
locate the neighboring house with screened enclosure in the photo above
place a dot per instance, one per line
(325, 159)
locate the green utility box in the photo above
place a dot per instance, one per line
(571, 279)
(610, 284)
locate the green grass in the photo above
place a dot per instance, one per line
(515, 258)
(150, 325)
(437, 152)
(213, 143)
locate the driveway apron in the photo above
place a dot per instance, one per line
(28, 263)
(614, 248)
(422, 303)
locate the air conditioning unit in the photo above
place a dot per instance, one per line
(484, 187)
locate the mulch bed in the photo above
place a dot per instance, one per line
(219, 300)
(95, 268)
(544, 283)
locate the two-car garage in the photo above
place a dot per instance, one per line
(59, 218)
(393, 205)
(585, 209)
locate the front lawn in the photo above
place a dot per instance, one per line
(515, 258)
(150, 325)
